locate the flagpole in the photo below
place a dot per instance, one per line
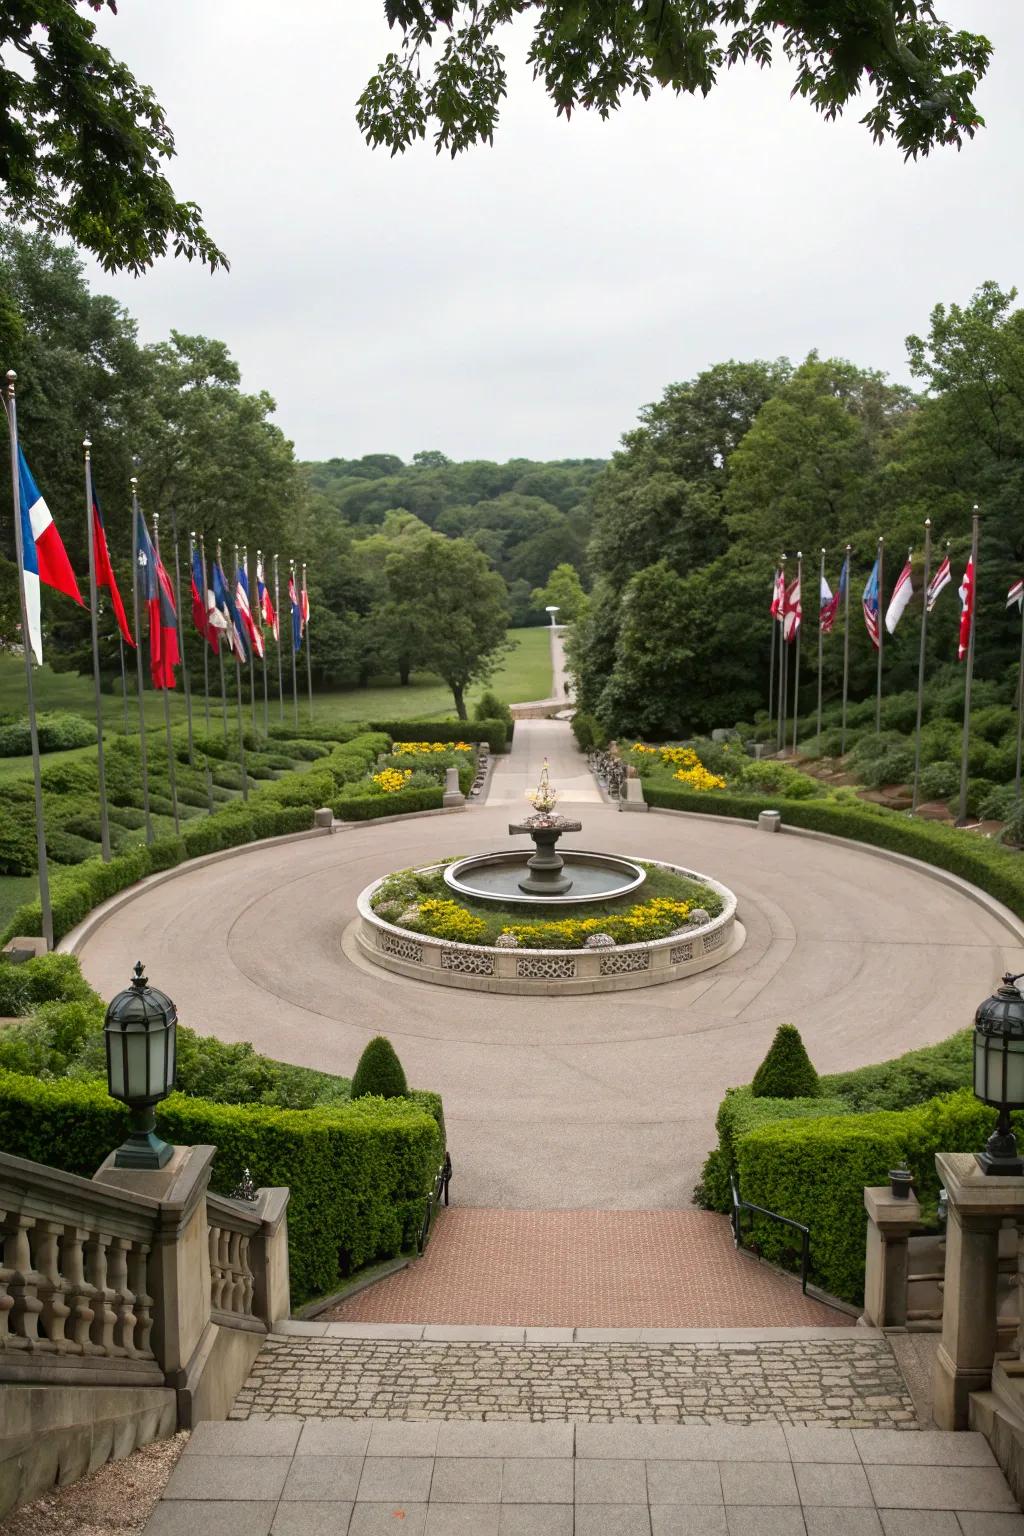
(1020, 702)
(124, 681)
(291, 617)
(171, 776)
(277, 610)
(771, 669)
(185, 683)
(252, 643)
(821, 638)
(259, 604)
(220, 656)
(45, 908)
(206, 641)
(846, 651)
(783, 704)
(920, 664)
(796, 658)
(138, 659)
(94, 626)
(961, 819)
(309, 657)
(238, 685)
(881, 637)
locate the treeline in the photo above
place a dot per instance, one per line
(389, 546)
(748, 460)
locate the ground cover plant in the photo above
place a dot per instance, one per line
(421, 902)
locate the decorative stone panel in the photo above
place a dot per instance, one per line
(714, 940)
(467, 961)
(680, 952)
(622, 964)
(402, 949)
(545, 968)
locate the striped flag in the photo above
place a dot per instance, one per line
(1016, 595)
(939, 582)
(44, 557)
(870, 604)
(792, 611)
(830, 600)
(266, 607)
(902, 592)
(966, 609)
(293, 598)
(778, 595)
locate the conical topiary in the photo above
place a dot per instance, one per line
(380, 1072)
(786, 1072)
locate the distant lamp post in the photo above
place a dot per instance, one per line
(552, 608)
(999, 1072)
(140, 1032)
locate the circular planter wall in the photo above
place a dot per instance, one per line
(532, 972)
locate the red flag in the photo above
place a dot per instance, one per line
(792, 610)
(105, 572)
(778, 595)
(966, 610)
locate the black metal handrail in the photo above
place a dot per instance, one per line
(739, 1205)
(441, 1182)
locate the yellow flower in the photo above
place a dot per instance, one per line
(390, 780)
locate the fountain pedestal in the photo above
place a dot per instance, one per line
(546, 867)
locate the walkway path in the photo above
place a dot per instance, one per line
(365, 1478)
(592, 1269)
(594, 1102)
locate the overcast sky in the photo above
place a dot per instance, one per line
(526, 299)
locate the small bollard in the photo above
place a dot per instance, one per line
(453, 795)
(324, 817)
(770, 821)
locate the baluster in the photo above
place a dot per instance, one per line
(78, 1291)
(96, 1268)
(245, 1300)
(237, 1282)
(6, 1299)
(137, 1282)
(124, 1328)
(216, 1273)
(54, 1309)
(26, 1305)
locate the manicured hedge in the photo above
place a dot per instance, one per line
(358, 1173)
(494, 732)
(995, 869)
(815, 1172)
(368, 807)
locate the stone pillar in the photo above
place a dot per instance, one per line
(179, 1266)
(633, 799)
(268, 1257)
(890, 1223)
(770, 821)
(452, 793)
(978, 1204)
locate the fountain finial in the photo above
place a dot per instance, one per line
(545, 797)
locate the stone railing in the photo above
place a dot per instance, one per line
(240, 1284)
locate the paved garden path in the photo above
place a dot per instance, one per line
(593, 1102)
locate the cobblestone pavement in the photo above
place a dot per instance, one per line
(849, 1378)
(594, 1269)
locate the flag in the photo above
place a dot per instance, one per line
(293, 598)
(206, 616)
(830, 601)
(245, 612)
(778, 594)
(1016, 595)
(870, 603)
(155, 589)
(231, 624)
(792, 612)
(104, 570)
(966, 609)
(44, 558)
(902, 592)
(305, 601)
(266, 607)
(939, 582)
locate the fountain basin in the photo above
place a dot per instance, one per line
(499, 877)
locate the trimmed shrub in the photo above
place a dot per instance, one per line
(786, 1072)
(59, 730)
(939, 781)
(908, 1079)
(379, 1072)
(368, 807)
(489, 707)
(18, 830)
(494, 732)
(46, 979)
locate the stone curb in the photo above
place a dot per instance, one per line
(974, 893)
(444, 1333)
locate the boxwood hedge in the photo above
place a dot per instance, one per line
(368, 807)
(494, 732)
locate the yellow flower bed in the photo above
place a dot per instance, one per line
(391, 780)
(654, 919)
(689, 768)
(425, 747)
(699, 777)
(447, 920)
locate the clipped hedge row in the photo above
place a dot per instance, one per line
(995, 869)
(368, 807)
(495, 732)
(358, 1173)
(75, 891)
(815, 1171)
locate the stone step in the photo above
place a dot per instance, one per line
(360, 1477)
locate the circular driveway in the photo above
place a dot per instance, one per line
(604, 1101)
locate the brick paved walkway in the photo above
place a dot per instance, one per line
(329, 1479)
(847, 1377)
(596, 1269)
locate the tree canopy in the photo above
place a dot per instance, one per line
(82, 143)
(591, 54)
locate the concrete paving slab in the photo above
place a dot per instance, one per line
(841, 1522)
(929, 1448)
(272, 1437)
(689, 1520)
(613, 1520)
(396, 1437)
(228, 1477)
(976, 1523)
(462, 1519)
(504, 1440)
(611, 1482)
(334, 1437)
(833, 1486)
(381, 1519)
(914, 1522)
(765, 1522)
(466, 1480)
(760, 1483)
(323, 1478)
(537, 1480)
(684, 1482)
(404, 1479)
(810, 1443)
(186, 1517)
(932, 1487)
(535, 1520)
(309, 1519)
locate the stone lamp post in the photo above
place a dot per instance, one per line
(140, 1032)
